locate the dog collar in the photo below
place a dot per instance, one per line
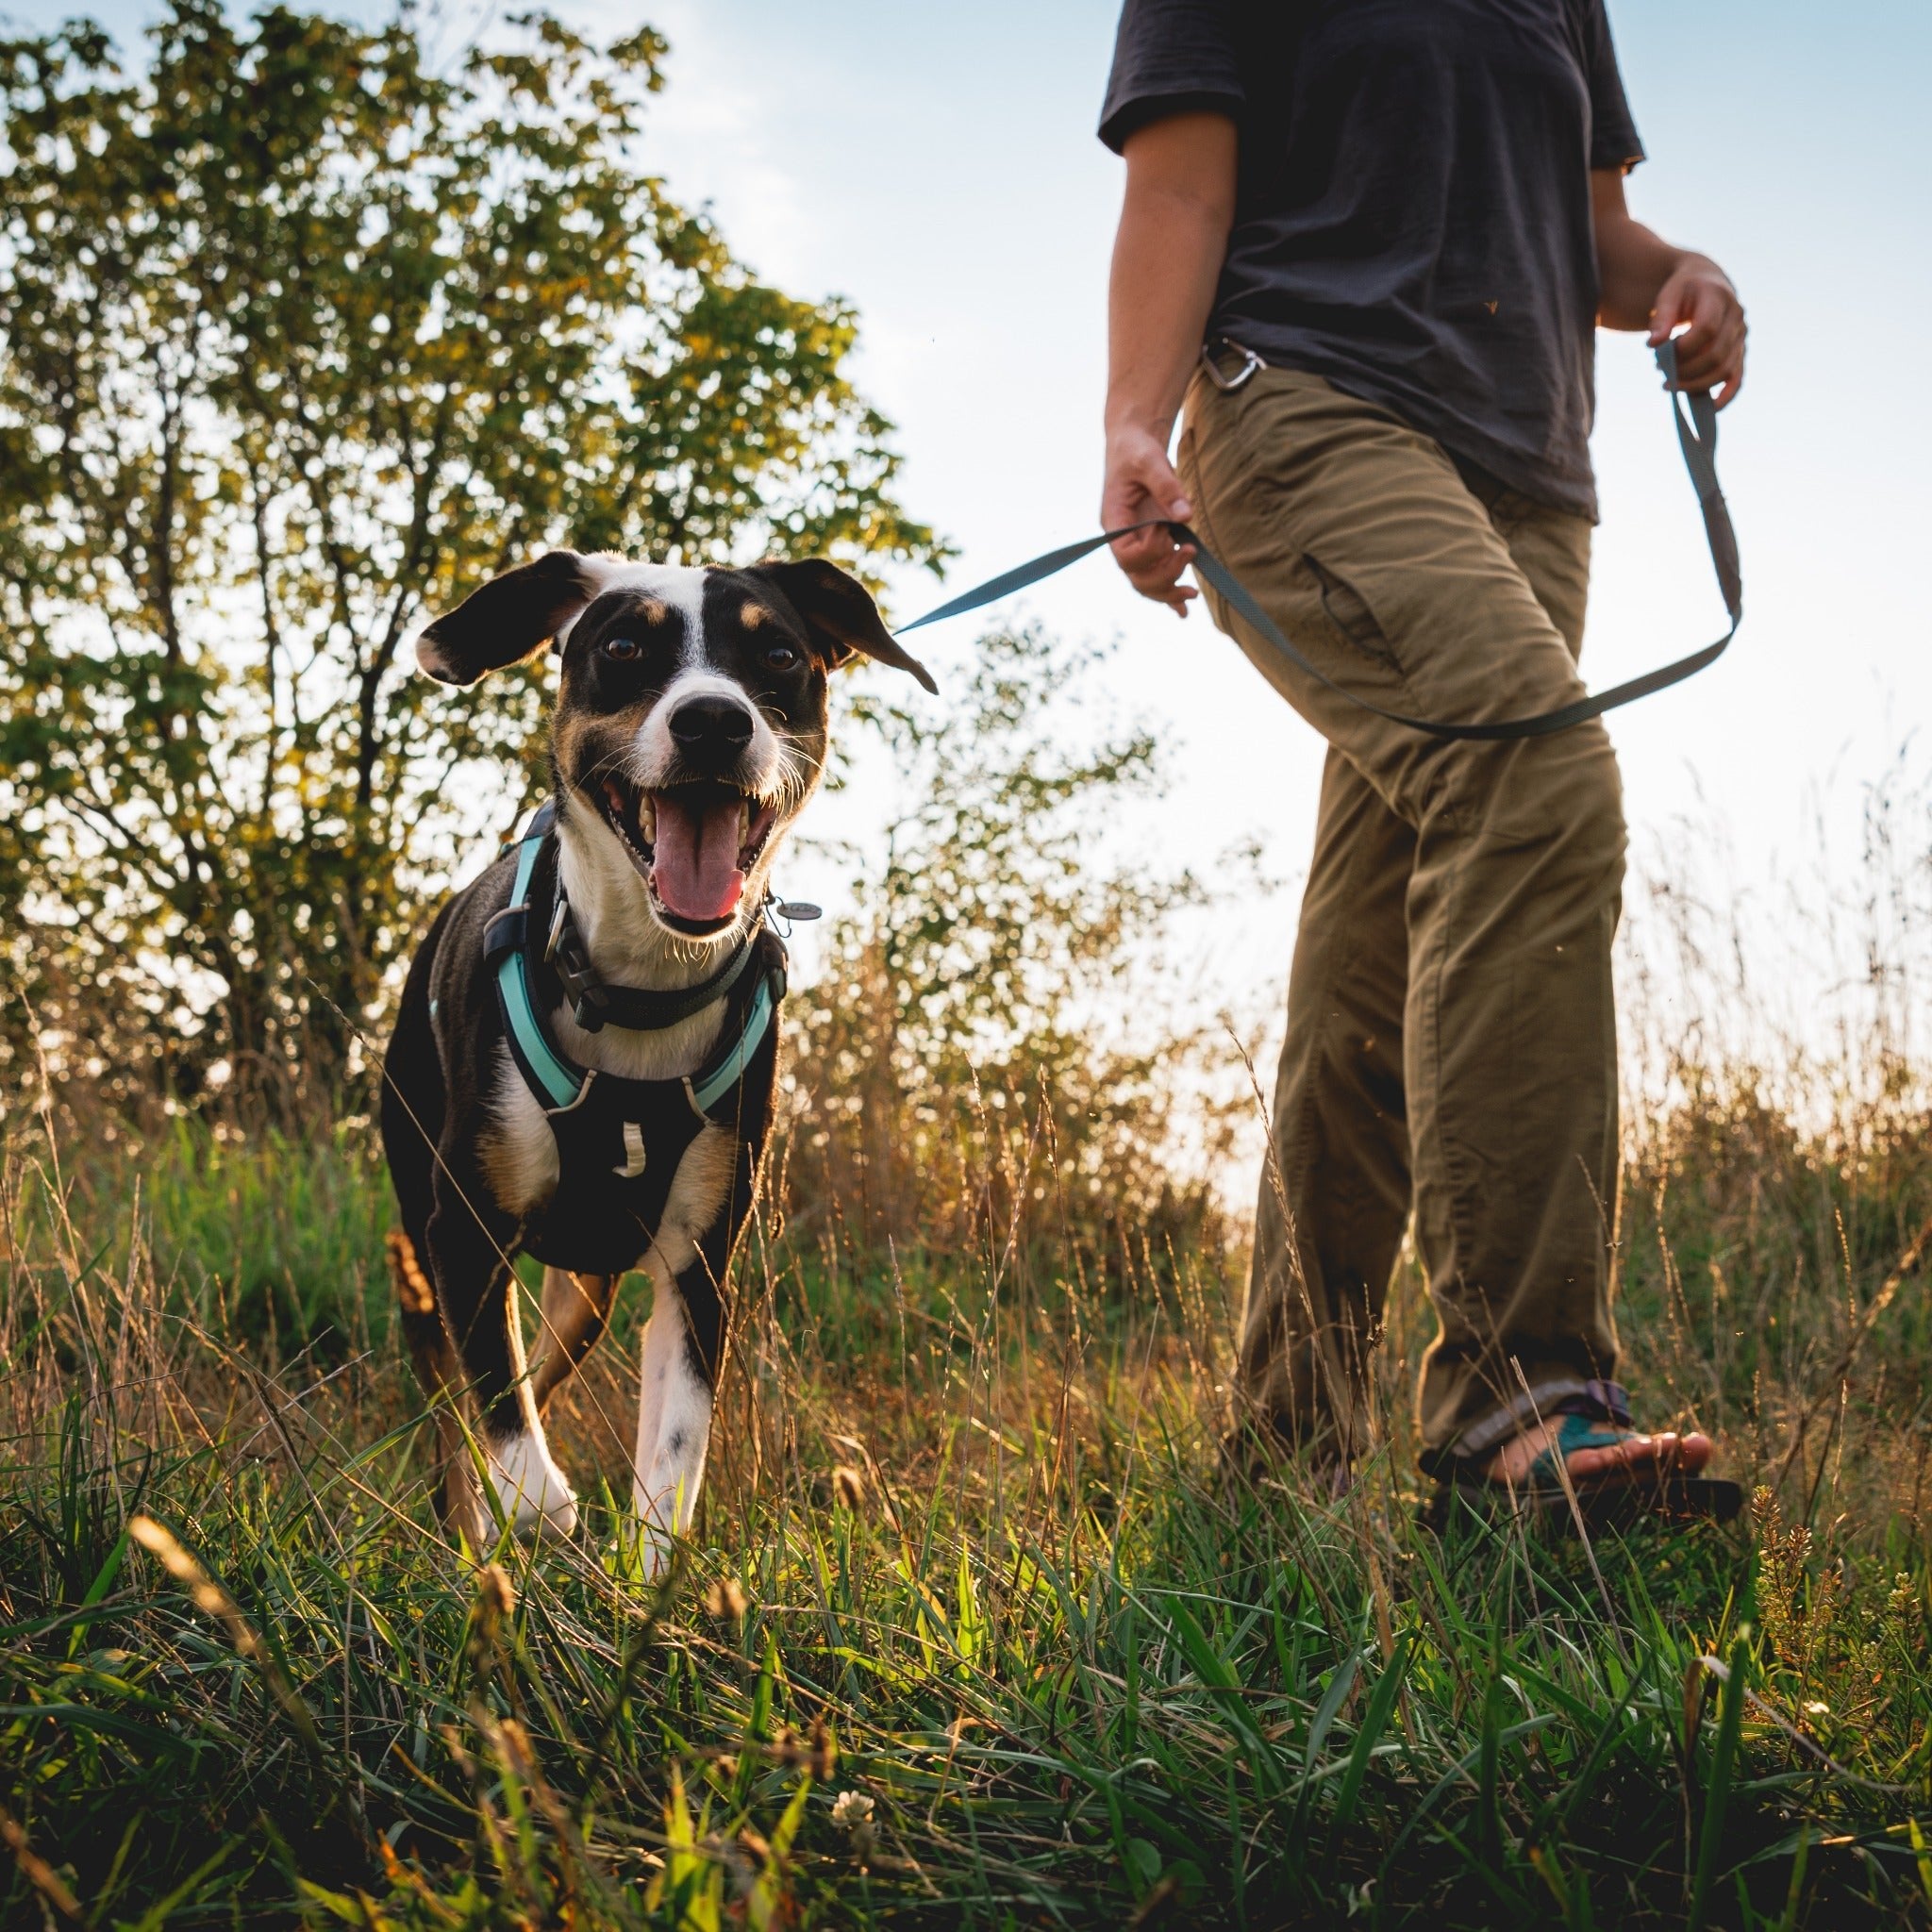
(596, 1004)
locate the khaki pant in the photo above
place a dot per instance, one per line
(1451, 1039)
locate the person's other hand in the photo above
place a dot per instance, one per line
(1710, 353)
(1141, 483)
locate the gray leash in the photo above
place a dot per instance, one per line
(1695, 416)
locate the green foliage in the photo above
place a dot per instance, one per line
(299, 339)
(1118, 1687)
(976, 1629)
(271, 1240)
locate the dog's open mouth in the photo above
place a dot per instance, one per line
(693, 844)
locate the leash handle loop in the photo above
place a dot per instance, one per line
(1695, 416)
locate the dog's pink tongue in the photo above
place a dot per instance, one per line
(697, 857)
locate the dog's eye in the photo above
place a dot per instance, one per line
(621, 649)
(781, 658)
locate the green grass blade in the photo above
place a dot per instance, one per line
(1375, 1721)
(1717, 1793)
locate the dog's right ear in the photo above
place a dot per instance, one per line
(839, 614)
(513, 617)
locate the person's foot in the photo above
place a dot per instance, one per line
(1634, 1457)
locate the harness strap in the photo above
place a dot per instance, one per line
(1695, 416)
(704, 1091)
(505, 931)
(558, 1082)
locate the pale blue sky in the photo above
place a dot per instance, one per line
(938, 166)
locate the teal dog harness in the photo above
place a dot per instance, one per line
(619, 1141)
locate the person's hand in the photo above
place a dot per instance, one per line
(1141, 483)
(1710, 353)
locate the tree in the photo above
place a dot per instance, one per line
(300, 338)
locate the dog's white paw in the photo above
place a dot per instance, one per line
(656, 1533)
(531, 1489)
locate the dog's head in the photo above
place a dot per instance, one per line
(691, 708)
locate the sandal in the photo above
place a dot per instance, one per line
(1599, 1418)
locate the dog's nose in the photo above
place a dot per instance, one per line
(711, 724)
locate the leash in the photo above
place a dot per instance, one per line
(1695, 416)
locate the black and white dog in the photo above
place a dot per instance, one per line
(584, 1062)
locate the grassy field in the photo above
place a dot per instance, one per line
(976, 1629)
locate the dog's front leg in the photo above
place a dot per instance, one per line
(673, 1410)
(478, 1289)
(576, 1310)
(684, 1340)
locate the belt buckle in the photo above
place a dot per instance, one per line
(1228, 384)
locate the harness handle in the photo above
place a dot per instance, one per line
(1695, 416)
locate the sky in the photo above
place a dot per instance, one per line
(938, 167)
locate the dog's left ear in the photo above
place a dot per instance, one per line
(839, 615)
(513, 617)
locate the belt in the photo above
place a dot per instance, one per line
(1695, 416)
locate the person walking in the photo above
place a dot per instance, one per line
(1363, 251)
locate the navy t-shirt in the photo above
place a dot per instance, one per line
(1412, 217)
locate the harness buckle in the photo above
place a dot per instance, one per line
(1228, 384)
(586, 992)
(564, 950)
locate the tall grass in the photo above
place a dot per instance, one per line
(976, 1627)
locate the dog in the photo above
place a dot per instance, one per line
(584, 1061)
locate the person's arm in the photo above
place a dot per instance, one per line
(1167, 260)
(1649, 285)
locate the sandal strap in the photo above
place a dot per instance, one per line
(1574, 1432)
(1603, 1402)
(1593, 1417)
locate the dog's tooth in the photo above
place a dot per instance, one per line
(647, 817)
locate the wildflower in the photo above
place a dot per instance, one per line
(852, 1814)
(851, 1809)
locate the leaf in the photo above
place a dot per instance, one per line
(968, 1627)
(1717, 1791)
(1143, 1862)
(1375, 1721)
(771, 1902)
(285, 368)
(690, 1883)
